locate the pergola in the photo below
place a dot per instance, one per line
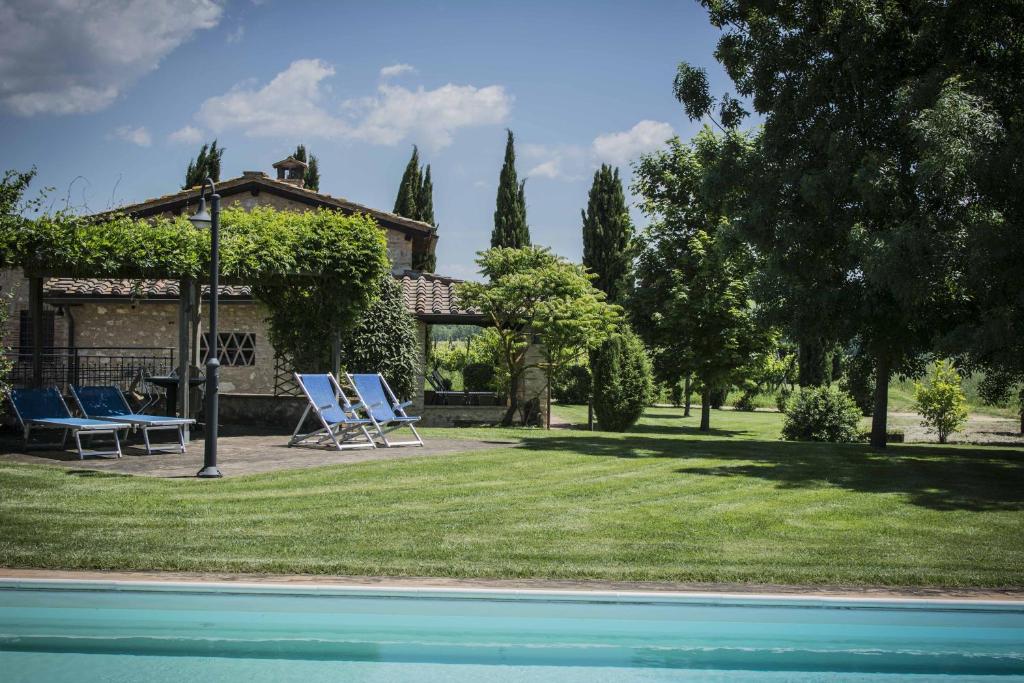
(321, 252)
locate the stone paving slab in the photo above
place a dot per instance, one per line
(238, 454)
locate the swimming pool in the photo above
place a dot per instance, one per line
(90, 631)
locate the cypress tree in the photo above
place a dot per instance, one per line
(607, 232)
(409, 189)
(510, 228)
(311, 178)
(425, 201)
(206, 165)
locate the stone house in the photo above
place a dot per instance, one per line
(104, 330)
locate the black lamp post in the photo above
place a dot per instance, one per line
(211, 220)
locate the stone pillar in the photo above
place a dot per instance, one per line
(422, 339)
(534, 382)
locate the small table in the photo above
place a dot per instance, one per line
(169, 383)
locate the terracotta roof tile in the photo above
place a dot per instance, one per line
(427, 296)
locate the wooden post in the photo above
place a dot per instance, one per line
(35, 307)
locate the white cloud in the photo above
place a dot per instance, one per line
(549, 169)
(559, 162)
(135, 135)
(188, 135)
(235, 36)
(397, 70)
(66, 57)
(621, 148)
(432, 116)
(296, 102)
(290, 104)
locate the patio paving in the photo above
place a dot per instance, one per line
(238, 454)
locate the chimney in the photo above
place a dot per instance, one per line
(291, 171)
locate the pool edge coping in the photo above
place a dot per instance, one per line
(306, 584)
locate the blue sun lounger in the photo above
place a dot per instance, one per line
(384, 409)
(108, 404)
(46, 409)
(340, 424)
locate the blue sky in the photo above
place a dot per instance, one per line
(111, 99)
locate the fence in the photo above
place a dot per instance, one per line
(95, 365)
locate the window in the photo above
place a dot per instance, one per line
(25, 332)
(234, 348)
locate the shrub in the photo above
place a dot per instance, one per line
(384, 340)
(821, 414)
(571, 385)
(942, 403)
(782, 398)
(623, 383)
(478, 377)
(745, 402)
(859, 381)
(718, 397)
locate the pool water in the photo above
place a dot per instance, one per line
(92, 631)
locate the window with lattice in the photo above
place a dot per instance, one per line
(234, 348)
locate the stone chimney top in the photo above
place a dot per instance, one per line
(291, 171)
(253, 174)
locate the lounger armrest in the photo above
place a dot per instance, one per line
(357, 406)
(404, 405)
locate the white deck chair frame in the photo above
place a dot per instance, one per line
(383, 428)
(44, 424)
(343, 434)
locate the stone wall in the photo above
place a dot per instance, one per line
(461, 416)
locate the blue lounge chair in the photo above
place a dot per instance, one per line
(384, 409)
(108, 404)
(339, 422)
(46, 409)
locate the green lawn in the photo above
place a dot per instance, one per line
(661, 503)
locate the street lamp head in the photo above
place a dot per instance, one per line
(202, 219)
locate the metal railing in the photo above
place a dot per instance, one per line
(94, 365)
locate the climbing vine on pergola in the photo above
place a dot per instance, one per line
(315, 271)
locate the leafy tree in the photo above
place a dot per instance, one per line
(692, 302)
(607, 233)
(311, 179)
(383, 339)
(623, 380)
(533, 292)
(510, 228)
(205, 165)
(941, 402)
(425, 199)
(13, 186)
(997, 387)
(890, 156)
(821, 414)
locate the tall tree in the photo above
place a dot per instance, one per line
(406, 203)
(693, 302)
(425, 198)
(311, 178)
(870, 111)
(510, 227)
(205, 165)
(607, 232)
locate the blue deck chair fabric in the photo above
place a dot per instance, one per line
(383, 408)
(340, 425)
(108, 403)
(45, 409)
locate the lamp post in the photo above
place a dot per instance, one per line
(211, 220)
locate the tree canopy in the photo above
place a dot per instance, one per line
(533, 292)
(607, 234)
(311, 178)
(415, 200)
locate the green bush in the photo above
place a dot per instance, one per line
(821, 414)
(745, 402)
(478, 377)
(384, 340)
(941, 402)
(571, 385)
(782, 398)
(718, 397)
(623, 383)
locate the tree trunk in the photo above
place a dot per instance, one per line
(547, 377)
(705, 409)
(513, 402)
(879, 415)
(590, 412)
(687, 393)
(1022, 419)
